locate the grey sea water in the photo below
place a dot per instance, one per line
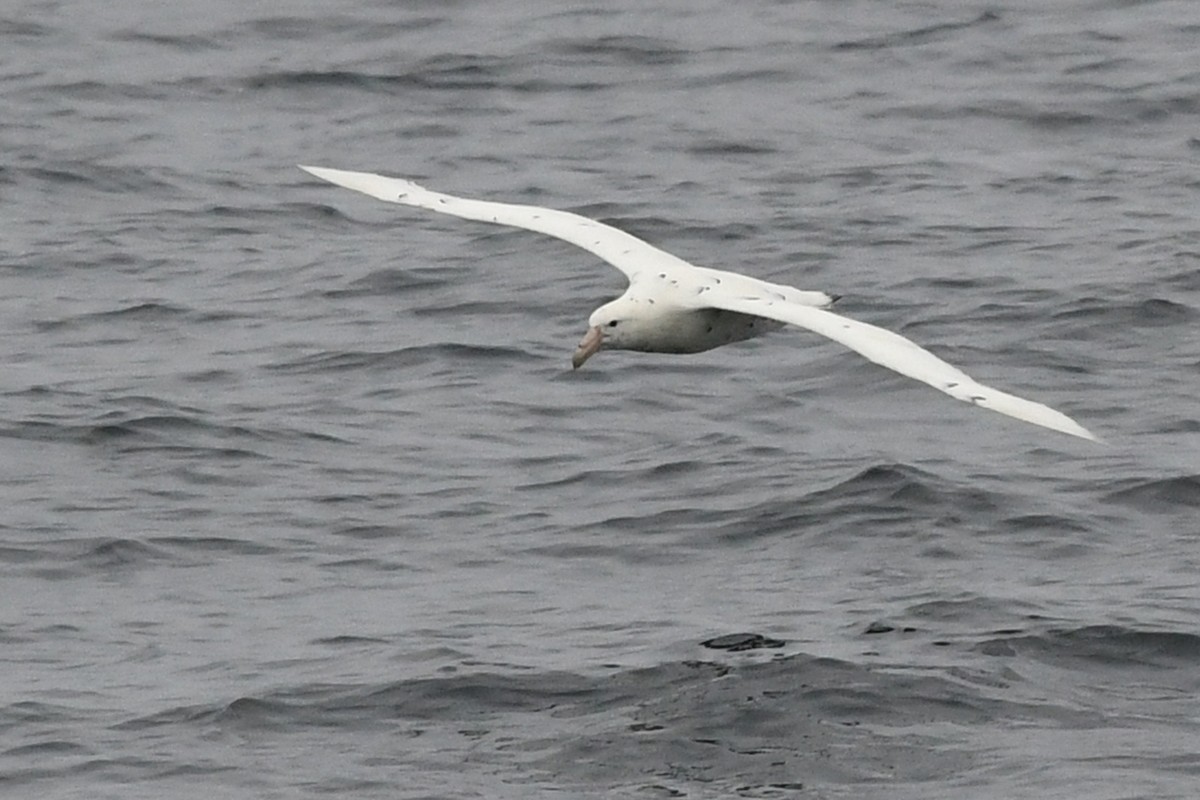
(299, 496)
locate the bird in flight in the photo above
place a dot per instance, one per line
(672, 306)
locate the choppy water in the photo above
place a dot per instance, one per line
(299, 496)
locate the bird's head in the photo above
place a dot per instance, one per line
(618, 325)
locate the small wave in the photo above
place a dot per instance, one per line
(70, 558)
(1158, 494)
(187, 43)
(403, 358)
(331, 79)
(55, 747)
(717, 147)
(1151, 312)
(112, 180)
(10, 27)
(1106, 645)
(384, 282)
(451, 71)
(620, 50)
(138, 312)
(916, 36)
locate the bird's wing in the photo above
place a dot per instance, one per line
(625, 252)
(888, 350)
(714, 289)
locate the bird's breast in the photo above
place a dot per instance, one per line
(695, 331)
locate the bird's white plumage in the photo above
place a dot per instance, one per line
(664, 289)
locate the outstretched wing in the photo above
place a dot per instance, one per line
(624, 251)
(717, 289)
(893, 351)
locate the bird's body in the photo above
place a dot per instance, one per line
(669, 330)
(672, 306)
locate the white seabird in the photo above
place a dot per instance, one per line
(672, 306)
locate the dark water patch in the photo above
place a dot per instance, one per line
(348, 26)
(149, 428)
(19, 27)
(741, 642)
(882, 491)
(71, 176)
(346, 640)
(457, 72)
(1180, 425)
(370, 532)
(208, 545)
(289, 28)
(1038, 118)
(721, 232)
(88, 94)
(1103, 646)
(211, 376)
(11, 554)
(879, 627)
(916, 36)
(53, 747)
(248, 713)
(732, 76)
(1148, 313)
(183, 431)
(1188, 278)
(332, 79)
(790, 721)
(620, 50)
(105, 554)
(874, 497)
(1157, 495)
(403, 358)
(1055, 524)
(139, 312)
(384, 282)
(25, 712)
(989, 284)
(183, 43)
(1139, 109)
(713, 147)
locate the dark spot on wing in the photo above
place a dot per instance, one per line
(951, 385)
(977, 398)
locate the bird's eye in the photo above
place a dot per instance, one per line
(612, 324)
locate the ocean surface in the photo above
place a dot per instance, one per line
(300, 498)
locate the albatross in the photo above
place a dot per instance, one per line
(672, 306)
